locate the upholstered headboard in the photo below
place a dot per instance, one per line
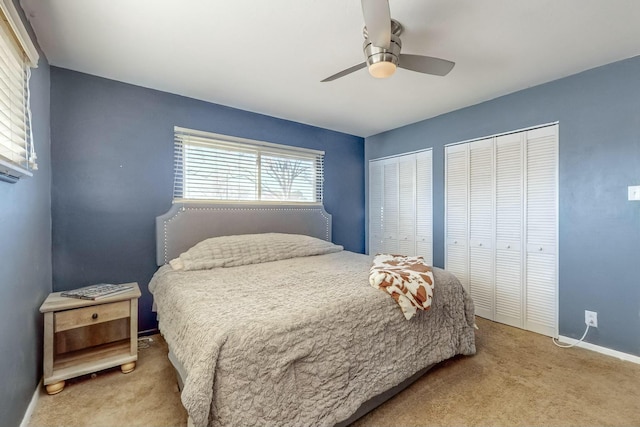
(188, 223)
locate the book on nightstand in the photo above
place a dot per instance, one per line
(99, 291)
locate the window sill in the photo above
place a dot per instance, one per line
(11, 173)
(244, 202)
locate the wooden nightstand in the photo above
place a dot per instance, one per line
(85, 336)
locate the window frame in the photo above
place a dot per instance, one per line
(185, 137)
(10, 170)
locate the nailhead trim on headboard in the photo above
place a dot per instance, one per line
(183, 209)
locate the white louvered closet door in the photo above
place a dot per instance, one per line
(406, 204)
(376, 187)
(390, 208)
(456, 219)
(424, 206)
(509, 229)
(504, 192)
(481, 230)
(541, 230)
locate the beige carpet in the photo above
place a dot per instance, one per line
(517, 378)
(148, 396)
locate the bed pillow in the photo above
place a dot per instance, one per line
(232, 251)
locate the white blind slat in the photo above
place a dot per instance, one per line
(209, 167)
(15, 118)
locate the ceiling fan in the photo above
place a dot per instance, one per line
(382, 47)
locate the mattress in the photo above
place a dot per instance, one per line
(301, 341)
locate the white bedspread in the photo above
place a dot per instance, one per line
(302, 341)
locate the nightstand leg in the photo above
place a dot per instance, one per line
(55, 388)
(128, 367)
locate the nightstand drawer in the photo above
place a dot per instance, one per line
(79, 317)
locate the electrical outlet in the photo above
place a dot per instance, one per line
(591, 318)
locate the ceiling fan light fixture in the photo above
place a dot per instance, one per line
(382, 70)
(382, 62)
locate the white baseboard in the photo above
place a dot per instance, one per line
(604, 350)
(32, 405)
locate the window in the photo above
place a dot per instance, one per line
(17, 56)
(217, 167)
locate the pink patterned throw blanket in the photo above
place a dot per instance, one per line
(408, 280)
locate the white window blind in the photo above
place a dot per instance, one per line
(209, 166)
(17, 55)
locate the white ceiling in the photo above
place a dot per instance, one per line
(269, 56)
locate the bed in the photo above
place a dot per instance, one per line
(292, 340)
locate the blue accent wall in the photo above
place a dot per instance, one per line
(113, 174)
(599, 122)
(25, 262)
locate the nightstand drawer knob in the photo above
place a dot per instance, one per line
(94, 316)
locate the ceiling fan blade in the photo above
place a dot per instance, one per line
(345, 72)
(425, 64)
(377, 19)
